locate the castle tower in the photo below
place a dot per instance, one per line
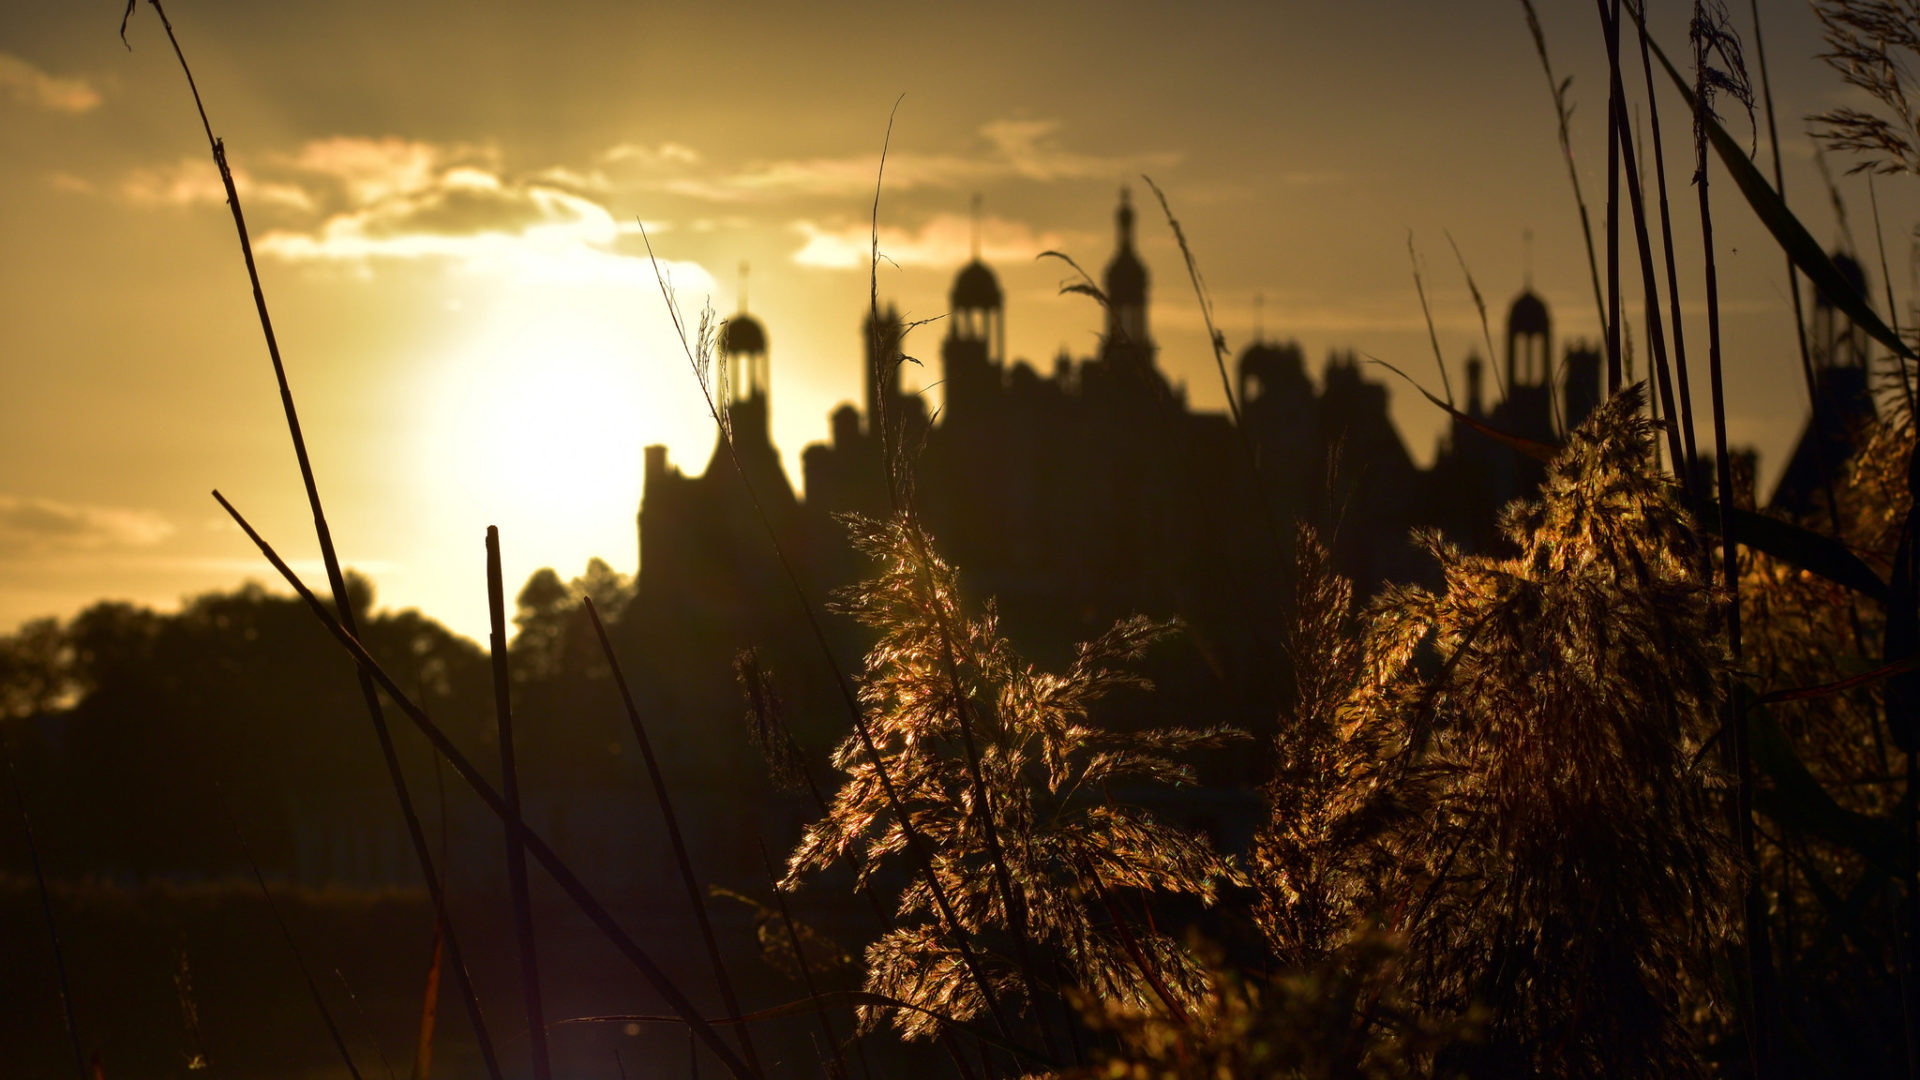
(743, 351)
(1529, 342)
(880, 344)
(975, 349)
(1836, 341)
(1476, 369)
(1528, 409)
(1126, 286)
(1842, 402)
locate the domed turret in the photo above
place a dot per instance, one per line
(743, 349)
(976, 288)
(1529, 341)
(744, 335)
(1126, 285)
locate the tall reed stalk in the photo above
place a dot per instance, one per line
(1686, 467)
(1650, 287)
(516, 824)
(1563, 115)
(300, 961)
(682, 861)
(1712, 38)
(46, 907)
(542, 852)
(1616, 122)
(336, 580)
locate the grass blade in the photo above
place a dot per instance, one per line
(1688, 465)
(674, 835)
(543, 853)
(430, 1005)
(336, 580)
(1616, 122)
(1564, 115)
(806, 970)
(286, 934)
(1787, 230)
(1799, 547)
(1886, 279)
(1650, 287)
(46, 908)
(516, 825)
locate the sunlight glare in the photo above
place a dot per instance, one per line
(535, 423)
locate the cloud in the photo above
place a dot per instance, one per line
(35, 526)
(416, 201)
(944, 240)
(65, 181)
(194, 181)
(22, 81)
(370, 170)
(665, 155)
(1012, 149)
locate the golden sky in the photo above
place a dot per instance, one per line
(445, 199)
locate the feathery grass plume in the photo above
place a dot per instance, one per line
(1833, 845)
(1719, 67)
(1078, 858)
(1871, 44)
(767, 723)
(1346, 797)
(1526, 806)
(1580, 680)
(815, 950)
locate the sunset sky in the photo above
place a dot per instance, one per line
(445, 201)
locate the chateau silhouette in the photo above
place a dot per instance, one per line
(1092, 492)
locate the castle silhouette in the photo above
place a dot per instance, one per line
(1094, 492)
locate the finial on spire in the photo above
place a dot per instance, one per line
(743, 286)
(1124, 217)
(976, 226)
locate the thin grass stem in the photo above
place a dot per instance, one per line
(1480, 305)
(916, 843)
(1218, 343)
(516, 825)
(1563, 114)
(675, 837)
(542, 853)
(1893, 317)
(335, 578)
(1433, 336)
(1684, 467)
(286, 934)
(806, 971)
(46, 908)
(1793, 286)
(1616, 121)
(1650, 287)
